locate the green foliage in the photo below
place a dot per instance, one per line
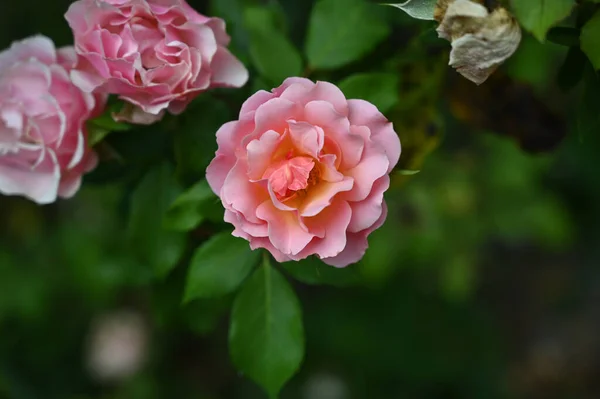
(405, 172)
(571, 71)
(107, 121)
(232, 11)
(473, 224)
(457, 277)
(564, 35)
(588, 111)
(538, 16)
(203, 315)
(314, 272)
(274, 56)
(521, 67)
(100, 127)
(382, 259)
(420, 9)
(342, 31)
(380, 89)
(157, 247)
(194, 135)
(590, 40)
(266, 337)
(192, 207)
(219, 266)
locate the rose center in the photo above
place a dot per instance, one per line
(148, 35)
(290, 175)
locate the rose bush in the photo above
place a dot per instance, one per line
(303, 171)
(155, 54)
(43, 151)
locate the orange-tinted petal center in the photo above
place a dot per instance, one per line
(290, 175)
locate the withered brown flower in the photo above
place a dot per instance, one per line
(481, 39)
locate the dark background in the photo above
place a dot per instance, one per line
(483, 283)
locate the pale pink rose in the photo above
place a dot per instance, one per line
(303, 172)
(156, 54)
(43, 149)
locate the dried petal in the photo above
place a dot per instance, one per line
(481, 40)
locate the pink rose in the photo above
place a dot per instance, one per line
(156, 54)
(43, 151)
(303, 172)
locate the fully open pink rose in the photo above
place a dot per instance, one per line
(303, 172)
(43, 151)
(156, 54)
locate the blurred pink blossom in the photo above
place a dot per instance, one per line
(156, 54)
(43, 151)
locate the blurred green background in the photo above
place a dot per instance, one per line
(483, 283)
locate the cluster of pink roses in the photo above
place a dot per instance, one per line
(302, 172)
(155, 54)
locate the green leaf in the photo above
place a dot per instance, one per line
(107, 122)
(590, 40)
(297, 14)
(266, 336)
(380, 89)
(192, 207)
(571, 71)
(537, 16)
(564, 35)
(203, 315)
(232, 11)
(96, 134)
(160, 249)
(342, 31)
(313, 271)
(274, 56)
(219, 266)
(588, 111)
(406, 172)
(195, 143)
(419, 9)
(260, 83)
(266, 18)
(100, 127)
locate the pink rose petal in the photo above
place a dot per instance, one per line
(43, 144)
(156, 54)
(303, 172)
